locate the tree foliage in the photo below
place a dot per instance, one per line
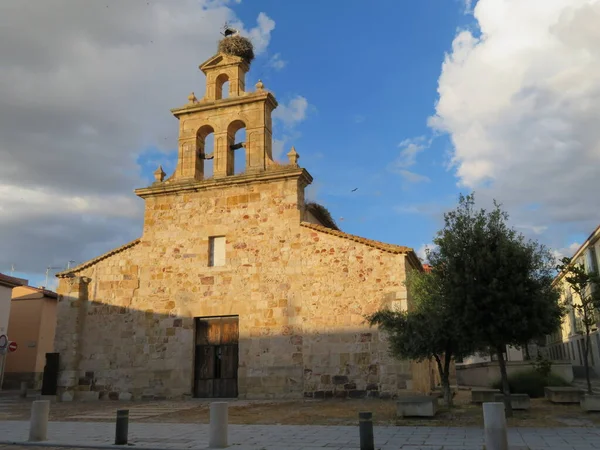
(498, 286)
(428, 330)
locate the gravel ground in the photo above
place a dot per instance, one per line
(300, 412)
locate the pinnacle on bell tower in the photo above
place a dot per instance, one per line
(223, 114)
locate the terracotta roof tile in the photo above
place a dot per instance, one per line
(390, 248)
(46, 292)
(9, 281)
(91, 262)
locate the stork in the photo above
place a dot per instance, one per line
(229, 31)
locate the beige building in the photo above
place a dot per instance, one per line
(31, 325)
(566, 343)
(237, 287)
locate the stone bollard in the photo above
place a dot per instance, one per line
(38, 427)
(23, 393)
(122, 427)
(217, 437)
(494, 422)
(365, 429)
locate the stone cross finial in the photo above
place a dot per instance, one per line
(159, 174)
(260, 86)
(293, 156)
(192, 98)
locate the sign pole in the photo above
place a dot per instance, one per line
(2, 359)
(3, 346)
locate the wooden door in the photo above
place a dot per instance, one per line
(216, 357)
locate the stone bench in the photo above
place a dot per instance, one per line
(519, 402)
(87, 396)
(483, 395)
(563, 394)
(590, 402)
(417, 406)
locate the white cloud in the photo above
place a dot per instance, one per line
(289, 115)
(261, 35)
(359, 118)
(521, 104)
(409, 149)
(292, 113)
(568, 251)
(278, 148)
(413, 177)
(83, 92)
(422, 251)
(533, 229)
(276, 62)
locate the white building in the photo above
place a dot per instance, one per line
(6, 286)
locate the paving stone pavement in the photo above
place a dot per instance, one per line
(139, 411)
(300, 437)
(11, 407)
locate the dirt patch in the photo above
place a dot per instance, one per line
(311, 412)
(345, 412)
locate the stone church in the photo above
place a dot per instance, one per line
(237, 286)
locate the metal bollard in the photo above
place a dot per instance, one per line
(365, 428)
(38, 427)
(23, 393)
(217, 433)
(122, 427)
(494, 422)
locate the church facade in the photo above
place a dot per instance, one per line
(237, 287)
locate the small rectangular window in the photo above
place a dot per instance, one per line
(592, 261)
(216, 251)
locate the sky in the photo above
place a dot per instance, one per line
(395, 108)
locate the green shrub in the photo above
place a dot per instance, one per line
(531, 382)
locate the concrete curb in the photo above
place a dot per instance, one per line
(98, 446)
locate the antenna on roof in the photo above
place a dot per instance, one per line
(12, 269)
(48, 269)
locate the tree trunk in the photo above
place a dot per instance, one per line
(445, 377)
(586, 347)
(505, 386)
(446, 380)
(527, 355)
(586, 364)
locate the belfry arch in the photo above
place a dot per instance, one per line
(225, 117)
(205, 151)
(222, 87)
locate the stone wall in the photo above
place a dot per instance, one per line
(300, 293)
(485, 374)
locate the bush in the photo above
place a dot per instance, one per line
(531, 383)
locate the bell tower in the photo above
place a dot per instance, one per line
(223, 114)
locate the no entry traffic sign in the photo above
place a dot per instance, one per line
(12, 346)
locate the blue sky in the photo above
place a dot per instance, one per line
(370, 76)
(410, 102)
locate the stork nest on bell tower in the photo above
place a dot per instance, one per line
(237, 46)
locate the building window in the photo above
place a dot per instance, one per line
(216, 251)
(591, 262)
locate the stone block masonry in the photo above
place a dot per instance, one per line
(298, 292)
(301, 294)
